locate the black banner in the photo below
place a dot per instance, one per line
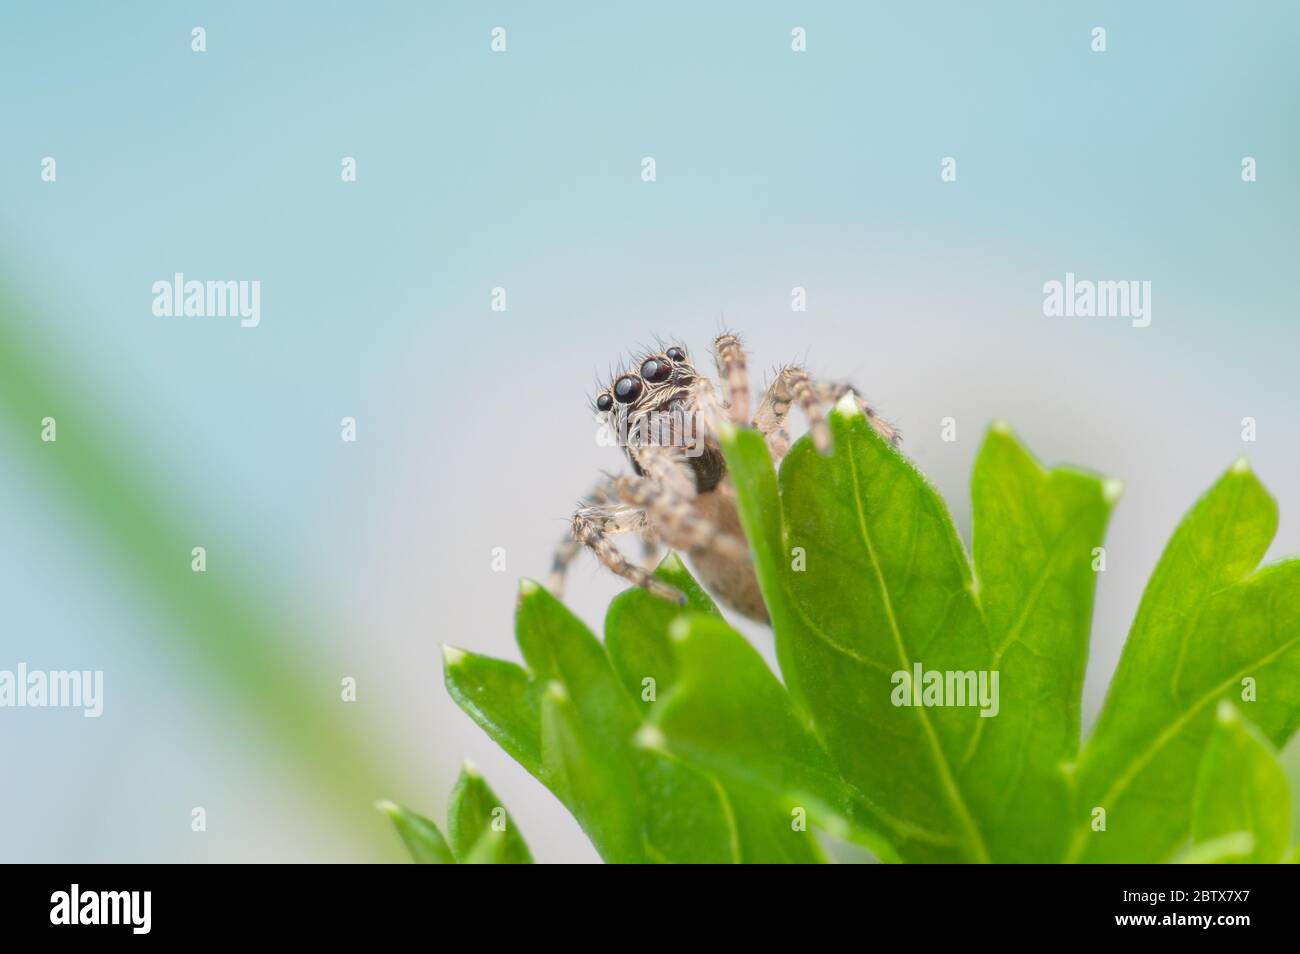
(220, 902)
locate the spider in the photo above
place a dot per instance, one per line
(666, 416)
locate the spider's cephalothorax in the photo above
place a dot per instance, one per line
(660, 405)
(666, 417)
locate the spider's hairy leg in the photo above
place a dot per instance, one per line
(729, 356)
(593, 526)
(794, 386)
(671, 513)
(565, 552)
(649, 549)
(569, 548)
(833, 391)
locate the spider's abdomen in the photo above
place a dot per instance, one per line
(731, 580)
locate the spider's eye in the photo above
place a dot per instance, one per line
(604, 402)
(676, 354)
(656, 371)
(628, 388)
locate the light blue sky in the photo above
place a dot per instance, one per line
(521, 170)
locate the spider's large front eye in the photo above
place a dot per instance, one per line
(676, 354)
(656, 371)
(628, 388)
(604, 402)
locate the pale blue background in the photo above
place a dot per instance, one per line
(522, 170)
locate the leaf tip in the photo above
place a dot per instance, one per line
(469, 769)
(836, 827)
(679, 630)
(650, 738)
(672, 563)
(1111, 490)
(556, 693)
(451, 656)
(1001, 428)
(848, 406)
(531, 593)
(1226, 713)
(1240, 466)
(384, 806)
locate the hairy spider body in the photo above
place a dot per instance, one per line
(666, 416)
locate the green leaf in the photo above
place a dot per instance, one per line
(558, 647)
(766, 835)
(588, 722)
(633, 805)
(1035, 533)
(492, 849)
(691, 819)
(480, 829)
(1233, 848)
(728, 714)
(502, 698)
(887, 587)
(601, 792)
(758, 826)
(669, 811)
(479, 826)
(886, 584)
(1242, 788)
(1207, 629)
(636, 630)
(421, 836)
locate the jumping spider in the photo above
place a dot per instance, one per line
(667, 417)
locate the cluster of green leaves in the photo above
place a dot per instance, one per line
(599, 725)
(672, 740)
(1241, 810)
(479, 829)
